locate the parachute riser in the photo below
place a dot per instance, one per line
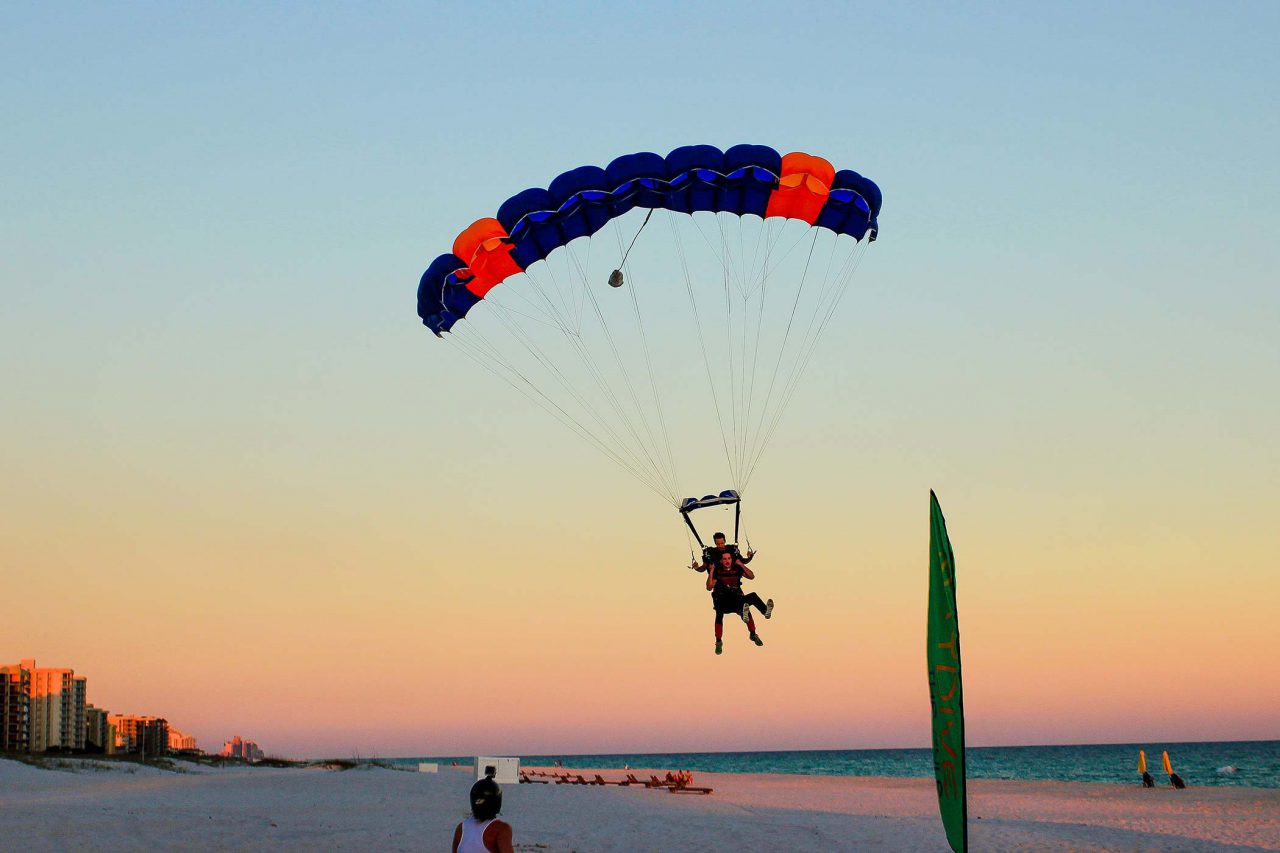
(727, 497)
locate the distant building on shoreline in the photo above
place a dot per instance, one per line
(55, 700)
(246, 749)
(15, 708)
(99, 734)
(45, 709)
(140, 734)
(180, 742)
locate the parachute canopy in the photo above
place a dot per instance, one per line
(745, 179)
(748, 257)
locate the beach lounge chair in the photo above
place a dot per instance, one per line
(600, 780)
(689, 789)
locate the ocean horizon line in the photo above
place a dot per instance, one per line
(1138, 744)
(1243, 763)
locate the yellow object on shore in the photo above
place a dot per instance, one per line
(1142, 761)
(1168, 768)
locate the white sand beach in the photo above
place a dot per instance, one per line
(259, 808)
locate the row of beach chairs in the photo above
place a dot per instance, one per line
(673, 784)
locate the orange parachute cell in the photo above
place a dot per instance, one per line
(485, 249)
(803, 186)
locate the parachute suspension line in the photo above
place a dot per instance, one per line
(721, 253)
(732, 404)
(786, 337)
(768, 270)
(626, 376)
(575, 340)
(473, 350)
(562, 320)
(738, 363)
(739, 340)
(726, 254)
(750, 394)
(822, 289)
(581, 267)
(755, 362)
(761, 231)
(648, 358)
(734, 286)
(795, 369)
(751, 353)
(546, 319)
(733, 376)
(531, 346)
(842, 281)
(702, 342)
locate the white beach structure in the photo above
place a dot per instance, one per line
(505, 771)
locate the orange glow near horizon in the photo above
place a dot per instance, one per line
(522, 621)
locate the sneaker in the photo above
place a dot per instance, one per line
(755, 638)
(768, 609)
(746, 613)
(719, 646)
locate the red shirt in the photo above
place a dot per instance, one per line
(731, 577)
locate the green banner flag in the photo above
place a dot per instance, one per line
(945, 694)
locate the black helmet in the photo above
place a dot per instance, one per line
(486, 799)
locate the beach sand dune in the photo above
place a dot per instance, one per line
(250, 808)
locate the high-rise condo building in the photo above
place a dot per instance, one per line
(15, 708)
(57, 708)
(246, 749)
(134, 733)
(99, 734)
(180, 741)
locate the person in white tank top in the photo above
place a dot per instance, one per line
(483, 832)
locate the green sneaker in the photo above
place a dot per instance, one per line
(755, 638)
(719, 646)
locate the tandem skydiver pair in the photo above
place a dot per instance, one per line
(726, 566)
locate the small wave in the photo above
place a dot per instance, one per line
(1227, 770)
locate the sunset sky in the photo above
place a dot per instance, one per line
(243, 488)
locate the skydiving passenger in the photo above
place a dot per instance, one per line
(711, 554)
(725, 583)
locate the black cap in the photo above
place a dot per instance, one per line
(486, 799)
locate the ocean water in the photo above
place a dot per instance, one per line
(1246, 763)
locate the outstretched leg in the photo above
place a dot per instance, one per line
(765, 607)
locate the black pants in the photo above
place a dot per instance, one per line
(728, 599)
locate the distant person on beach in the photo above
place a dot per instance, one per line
(1147, 781)
(1174, 779)
(711, 554)
(725, 583)
(483, 832)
